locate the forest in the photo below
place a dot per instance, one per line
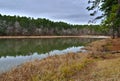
(27, 26)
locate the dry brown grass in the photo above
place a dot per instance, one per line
(107, 67)
(113, 45)
(106, 70)
(56, 68)
(96, 46)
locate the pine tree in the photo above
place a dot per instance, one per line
(111, 9)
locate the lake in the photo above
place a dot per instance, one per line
(14, 52)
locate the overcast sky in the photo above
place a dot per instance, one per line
(70, 11)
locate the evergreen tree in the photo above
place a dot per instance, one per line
(111, 9)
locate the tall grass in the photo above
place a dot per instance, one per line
(56, 68)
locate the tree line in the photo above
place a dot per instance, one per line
(16, 25)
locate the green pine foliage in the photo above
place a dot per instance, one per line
(111, 15)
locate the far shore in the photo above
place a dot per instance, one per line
(30, 37)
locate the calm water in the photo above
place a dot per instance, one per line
(15, 47)
(14, 52)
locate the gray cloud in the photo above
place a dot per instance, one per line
(72, 11)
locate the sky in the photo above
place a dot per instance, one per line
(70, 11)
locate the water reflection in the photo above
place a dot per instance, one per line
(10, 62)
(15, 47)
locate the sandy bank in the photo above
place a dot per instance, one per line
(28, 37)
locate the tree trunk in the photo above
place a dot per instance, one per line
(118, 15)
(118, 1)
(118, 32)
(113, 33)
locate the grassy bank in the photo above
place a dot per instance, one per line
(101, 63)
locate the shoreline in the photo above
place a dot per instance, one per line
(8, 60)
(37, 37)
(96, 65)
